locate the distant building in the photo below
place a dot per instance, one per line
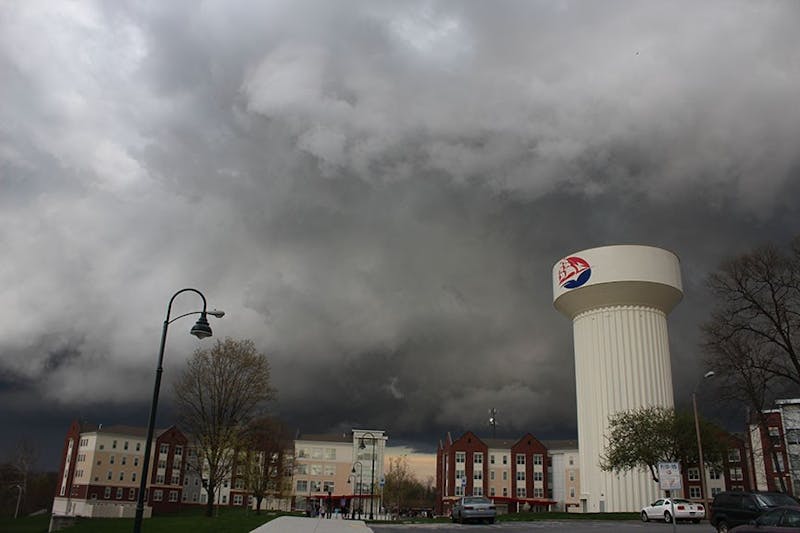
(511, 472)
(336, 470)
(775, 449)
(101, 467)
(564, 475)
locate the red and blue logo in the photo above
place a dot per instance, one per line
(573, 272)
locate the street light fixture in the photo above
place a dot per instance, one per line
(360, 471)
(201, 330)
(703, 496)
(362, 446)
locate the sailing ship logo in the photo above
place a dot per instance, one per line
(573, 272)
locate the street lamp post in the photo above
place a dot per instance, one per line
(201, 330)
(361, 446)
(703, 496)
(353, 498)
(360, 471)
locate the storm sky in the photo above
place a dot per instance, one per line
(375, 192)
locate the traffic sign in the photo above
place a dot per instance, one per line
(669, 476)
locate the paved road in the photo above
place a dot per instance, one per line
(561, 526)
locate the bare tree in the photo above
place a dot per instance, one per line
(751, 340)
(221, 390)
(269, 461)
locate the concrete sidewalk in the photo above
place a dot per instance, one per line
(298, 524)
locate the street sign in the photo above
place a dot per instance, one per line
(669, 476)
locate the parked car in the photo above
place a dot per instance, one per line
(778, 520)
(474, 508)
(683, 510)
(734, 508)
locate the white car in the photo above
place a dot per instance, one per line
(684, 510)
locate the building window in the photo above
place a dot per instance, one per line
(158, 495)
(160, 479)
(302, 485)
(135, 461)
(505, 459)
(138, 446)
(111, 460)
(316, 486)
(302, 469)
(124, 459)
(477, 474)
(734, 456)
(521, 492)
(122, 476)
(737, 488)
(110, 475)
(537, 459)
(107, 493)
(119, 493)
(491, 459)
(237, 499)
(478, 458)
(179, 450)
(330, 470)
(330, 454)
(491, 491)
(133, 476)
(572, 475)
(459, 490)
(176, 479)
(114, 445)
(780, 467)
(538, 492)
(316, 453)
(520, 475)
(715, 490)
(571, 461)
(736, 474)
(694, 492)
(461, 457)
(132, 494)
(520, 459)
(538, 476)
(164, 448)
(477, 490)
(713, 474)
(572, 492)
(316, 470)
(125, 446)
(491, 475)
(505, 491)
(505, 475)
(162, 463)
(693, 474)
(173, 495)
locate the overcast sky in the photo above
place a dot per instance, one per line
(375, 192)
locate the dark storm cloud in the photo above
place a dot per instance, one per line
(375, 192)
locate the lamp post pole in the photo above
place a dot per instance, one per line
(703, 495)
(201, 330)
(353, 498)
(360, 471)
(372, 473)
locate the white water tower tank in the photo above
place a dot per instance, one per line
(618, 298)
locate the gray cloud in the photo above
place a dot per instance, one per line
(375, 192)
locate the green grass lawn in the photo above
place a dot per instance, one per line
(190, 521)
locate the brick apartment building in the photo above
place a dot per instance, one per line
(100, 471)
(775, 449)
(513, 473)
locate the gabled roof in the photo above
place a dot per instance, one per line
(325, 437)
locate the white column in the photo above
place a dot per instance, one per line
(621, 363)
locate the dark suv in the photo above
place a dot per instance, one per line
(730, 509)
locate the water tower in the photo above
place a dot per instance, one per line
(618, 298)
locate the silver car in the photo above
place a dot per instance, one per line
(474, 508)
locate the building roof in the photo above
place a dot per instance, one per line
(325, 437)
(500, 443)
(569, 444)
(131, 431)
